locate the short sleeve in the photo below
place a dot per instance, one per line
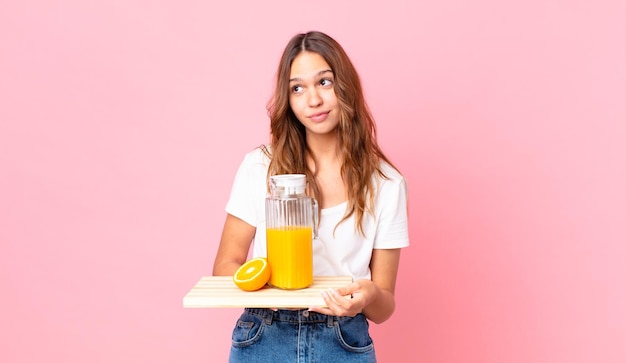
(249, 188)
(392, 214)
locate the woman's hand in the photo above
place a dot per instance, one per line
(348, 300)
(374, 298)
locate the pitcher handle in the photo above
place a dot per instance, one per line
(315, 216)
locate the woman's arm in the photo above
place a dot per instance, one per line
(384, 266)
(237, 236)
(375, 297)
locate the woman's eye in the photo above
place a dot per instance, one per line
(326, 82)
(296, 89)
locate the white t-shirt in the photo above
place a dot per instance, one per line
(347, 252)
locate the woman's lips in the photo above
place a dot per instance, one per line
(319, 117)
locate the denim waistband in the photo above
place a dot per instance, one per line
(301, 316)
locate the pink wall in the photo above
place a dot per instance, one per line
(122, 123)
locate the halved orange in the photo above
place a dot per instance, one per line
(253, 274)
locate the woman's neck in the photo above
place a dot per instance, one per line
(323, 147)
(324, 161)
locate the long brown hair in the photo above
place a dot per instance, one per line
(356, 130)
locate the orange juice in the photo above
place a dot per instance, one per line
(290, 256)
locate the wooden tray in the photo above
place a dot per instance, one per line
(221, 292)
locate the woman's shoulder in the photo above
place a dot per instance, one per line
(255, 163)
(391, 186)
(390, 172)
(259, 155)
(391, 181)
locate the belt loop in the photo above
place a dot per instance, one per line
(268, 316)
(330, 321)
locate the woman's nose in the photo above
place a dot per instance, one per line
(314, 98)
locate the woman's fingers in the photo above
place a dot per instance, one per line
(341, 302)
(340, 305)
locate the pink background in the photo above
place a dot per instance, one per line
(122, 124)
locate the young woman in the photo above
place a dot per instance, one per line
(321, 127)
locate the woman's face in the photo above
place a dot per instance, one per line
(312, 94)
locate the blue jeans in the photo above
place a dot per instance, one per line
(263, 335)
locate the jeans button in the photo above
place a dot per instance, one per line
(305, 313)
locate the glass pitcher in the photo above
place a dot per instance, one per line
(291, 225)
